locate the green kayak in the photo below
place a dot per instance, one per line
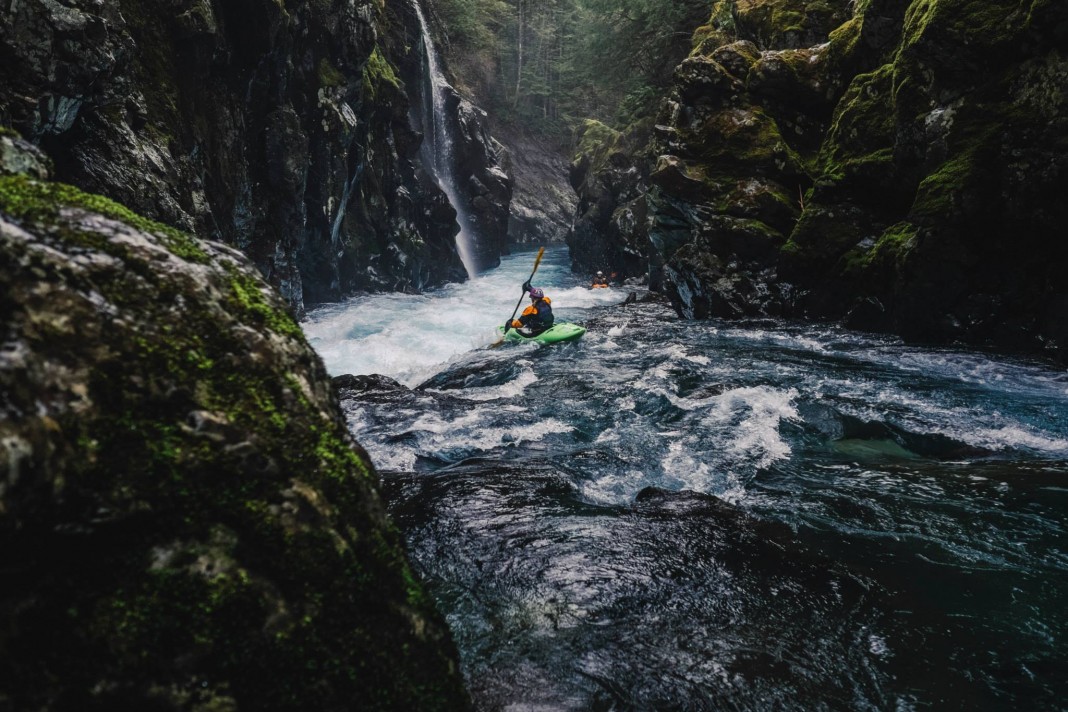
(560, 331)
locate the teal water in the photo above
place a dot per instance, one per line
(715, 515)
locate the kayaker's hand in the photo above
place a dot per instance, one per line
(526, 286)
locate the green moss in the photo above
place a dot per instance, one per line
(886, 256)
(595, 140)
(939, 194)
(337, 458)
(863, 126)
(246, 293)
(996, 22)
(377, 73)
(707, 39)
(39, 202)
(774, 22)
(198, 424)
(5, 131)
(723, 17)
(329, 76)
(739, 141)
(595, 143)
(822, 235)
(894, 244)
(954, 190)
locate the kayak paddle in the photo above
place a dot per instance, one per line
(508, 325)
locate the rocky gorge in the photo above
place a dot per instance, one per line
(185, 522)
(282, 129)
(894, 164)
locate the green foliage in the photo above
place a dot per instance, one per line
(542, 62)
(474, 23)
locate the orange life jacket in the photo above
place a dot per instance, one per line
(532, 310)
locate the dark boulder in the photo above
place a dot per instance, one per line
(185, 522)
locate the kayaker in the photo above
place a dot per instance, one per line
(600, 281)
(537, 317)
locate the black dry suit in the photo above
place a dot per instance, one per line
(536, 318)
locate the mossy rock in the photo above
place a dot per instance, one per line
(186, 523)
(823, 234)
(763, 200)
(743, 140)
(879, 260)
(595, 141)
(596, 148)
(737, 58)
(789, 24)
(379, 75)
(863, 121)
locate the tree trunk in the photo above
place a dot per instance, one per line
(519, 57)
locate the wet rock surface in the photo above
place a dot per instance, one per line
(893, 164)
(544, 204)
(610, 230)
(283, 131)
(185, 522)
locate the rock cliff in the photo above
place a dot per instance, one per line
(185, 522)
(898, 164)
(282, 129)
(457, 147)
(610, 231)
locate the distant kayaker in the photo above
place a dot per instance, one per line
(537, 317)
(600, 281)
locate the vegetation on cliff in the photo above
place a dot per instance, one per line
(548, 63)
(279, 128)
(909, 154)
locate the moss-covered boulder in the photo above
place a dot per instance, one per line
(911, 155)
(952, 151)
(787, 23)
(185, 523)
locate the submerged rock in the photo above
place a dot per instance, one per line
(185, 522)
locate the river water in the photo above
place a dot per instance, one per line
(716, 515)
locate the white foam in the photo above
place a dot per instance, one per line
(410, 337)
(472, 430)
(1011, 437)
(751, 416)
(512, 389)
(615, 489)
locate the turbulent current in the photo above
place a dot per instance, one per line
(703, 515)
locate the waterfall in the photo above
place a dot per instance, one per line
(438, 146)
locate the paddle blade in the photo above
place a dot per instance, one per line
(538, 261)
